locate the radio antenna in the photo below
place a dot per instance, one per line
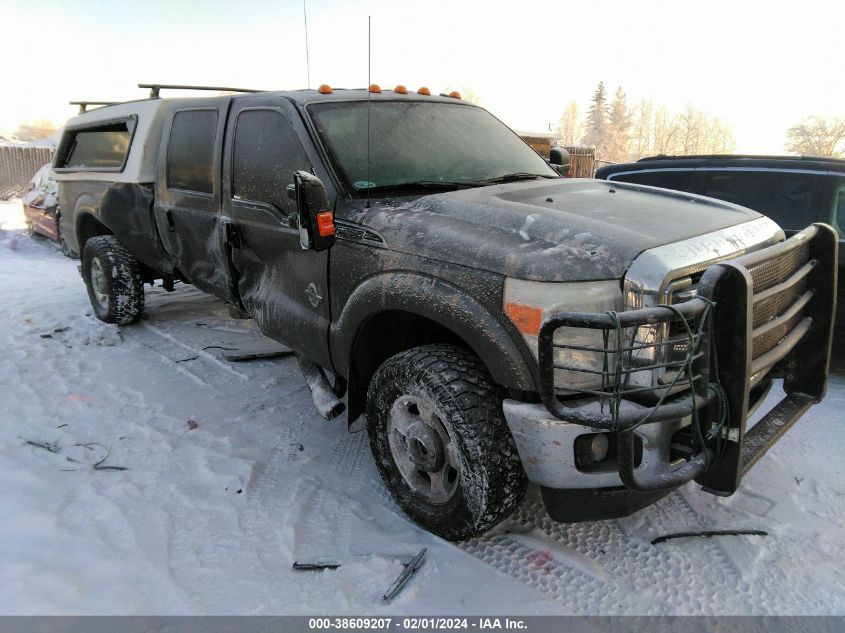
(307, 58)
(369, 95)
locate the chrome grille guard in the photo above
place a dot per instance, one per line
(763, 315)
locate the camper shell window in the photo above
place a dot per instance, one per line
(100, 147)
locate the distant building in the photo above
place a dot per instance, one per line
(542, 142)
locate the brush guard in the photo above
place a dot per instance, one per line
(761, 316)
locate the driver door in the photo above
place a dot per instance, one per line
(283, 287)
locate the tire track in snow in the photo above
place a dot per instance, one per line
(207, 358)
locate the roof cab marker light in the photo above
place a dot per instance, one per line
(424, 91)
(400, 89)
(325, 89)
(375, 88)
(455, 94)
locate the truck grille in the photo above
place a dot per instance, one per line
(780, 294)
(779, 287)
(774, 271)
(767, 309)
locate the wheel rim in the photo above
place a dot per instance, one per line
(423, 450)
(98, 283)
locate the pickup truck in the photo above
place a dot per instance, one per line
(489, 322)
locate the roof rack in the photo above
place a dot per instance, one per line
(155, 89)
(83, 105)
(733, 156)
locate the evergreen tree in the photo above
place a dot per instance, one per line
(598, 124)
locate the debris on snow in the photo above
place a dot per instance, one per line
(52, 447)
(314, 566)
(100, 464)
(265, 348)
(708, 534)
(410, 569)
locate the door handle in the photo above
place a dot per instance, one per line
(171, 225)
(231, 235)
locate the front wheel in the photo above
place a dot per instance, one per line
(113, 278)
(441, 442)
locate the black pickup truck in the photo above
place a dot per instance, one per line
(495, 322)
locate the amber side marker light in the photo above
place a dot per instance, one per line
(325, 223)
(527, 319)
(455, 94)
(375, 88)
(400, 89)
(325, 89)
(424, 91)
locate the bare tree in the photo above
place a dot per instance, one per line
(620, 128)
(816, 136)
(693, 129)
(35, 130)
(720, 137)
(641, 130)
(570, 127)
(665, 133)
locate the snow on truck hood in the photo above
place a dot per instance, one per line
(550, 230)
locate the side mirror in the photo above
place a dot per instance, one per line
(559, 158)
(314, 214)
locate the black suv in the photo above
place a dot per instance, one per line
(793, 191)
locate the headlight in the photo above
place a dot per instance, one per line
(527, 303)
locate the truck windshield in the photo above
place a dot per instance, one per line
(418, 145)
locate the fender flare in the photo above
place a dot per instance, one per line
(84, 205)
(511, 364)
(127, 210)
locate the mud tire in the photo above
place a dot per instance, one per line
(122, 287)
(455, 382)
(64, 247)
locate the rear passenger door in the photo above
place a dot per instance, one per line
(282, 286)
(188, 196)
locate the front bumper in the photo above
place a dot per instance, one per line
(546, 445)
(761, 316)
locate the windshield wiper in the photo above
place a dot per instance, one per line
(448, 185)
(514, 177)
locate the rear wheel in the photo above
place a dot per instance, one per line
(113, 278)
(441, 442)
(63, 245)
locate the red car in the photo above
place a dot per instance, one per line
(41, 208)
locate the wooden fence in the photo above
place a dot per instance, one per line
(582, 161)
(18, 165)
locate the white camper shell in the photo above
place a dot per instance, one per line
(117, 143)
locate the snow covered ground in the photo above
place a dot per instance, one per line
(230, 476)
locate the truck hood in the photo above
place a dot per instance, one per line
(548, 230)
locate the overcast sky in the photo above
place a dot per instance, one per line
(761, 66)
